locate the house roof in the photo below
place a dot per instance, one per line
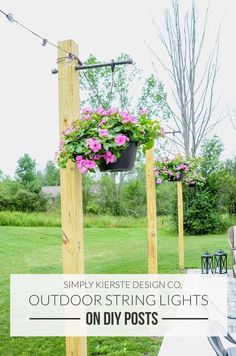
(51, 192)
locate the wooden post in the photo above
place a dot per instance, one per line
(71, 182)
(180, 225)
(151, 212)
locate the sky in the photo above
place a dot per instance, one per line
(29, 92)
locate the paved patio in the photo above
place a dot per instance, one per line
(199, 346)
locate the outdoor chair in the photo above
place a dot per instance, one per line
(217, 345)
(232, 244)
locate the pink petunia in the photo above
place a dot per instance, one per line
(170, 173)
(121, 139)
(101, 111)
(97, 157)
(79, 159)
(109, 157)
(83, 169)
(68, 131)
(87, 163)
(103, 132)
(94, 144)
(128, 118)
(159, 181)
(102, 122)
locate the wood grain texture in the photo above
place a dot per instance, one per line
(180, 225)
(151, 212)
(71, 182)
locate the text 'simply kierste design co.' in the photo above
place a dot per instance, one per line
(116, 305)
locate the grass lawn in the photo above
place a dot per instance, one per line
(107, 250)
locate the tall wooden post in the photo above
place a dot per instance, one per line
(180, 225)
(151, 212)
(71, 182)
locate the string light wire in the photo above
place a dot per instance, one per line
(45, 41)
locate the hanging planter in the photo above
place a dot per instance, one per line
(179, 169)
(172, 170)
(107, 139)
(124, 163)
(194, 179)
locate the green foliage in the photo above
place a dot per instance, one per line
(98, 90)
(211, 152)
(200, 213)
(28, 201)
(96, 84)
(51, 176)
(26, 174)
(203, 204)
(17, 218)
(153, 98)
(165, 198)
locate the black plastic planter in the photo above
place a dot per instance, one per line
(192, 185)
(124, 163)
(173, 179)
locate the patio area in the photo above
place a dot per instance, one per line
(195, 346)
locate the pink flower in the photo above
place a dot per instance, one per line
(101, 111)
(97, 157)
(159, 181)
(83, 169)
(103, 132)
(102, 122)
(87, 111)
(84, 164)
(109, 157)
(143, 111)
(68, 131)
(170, 173)
(186, 169)
(179, 167)
(80, 164)
(87, 163)
(112, 111)
(79, 159)
(128, 118)
(121, 139)
(94, 144)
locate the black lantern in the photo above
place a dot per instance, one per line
(207, 262)
(220, 262)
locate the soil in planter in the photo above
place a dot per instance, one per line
(124, 163)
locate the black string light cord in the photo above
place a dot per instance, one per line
(70, 56)
(45, 41)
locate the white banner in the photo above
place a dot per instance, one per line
(118, 305)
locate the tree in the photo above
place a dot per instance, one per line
(211, 151)
(123, 89)
(51, 176)
(26, 173)
(192, 84)
(126, 90)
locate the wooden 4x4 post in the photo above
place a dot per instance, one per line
(71, 182)
(71, 187)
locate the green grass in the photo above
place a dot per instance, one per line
(107, 250)
(53, 219)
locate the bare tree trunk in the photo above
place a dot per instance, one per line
(192, 88)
